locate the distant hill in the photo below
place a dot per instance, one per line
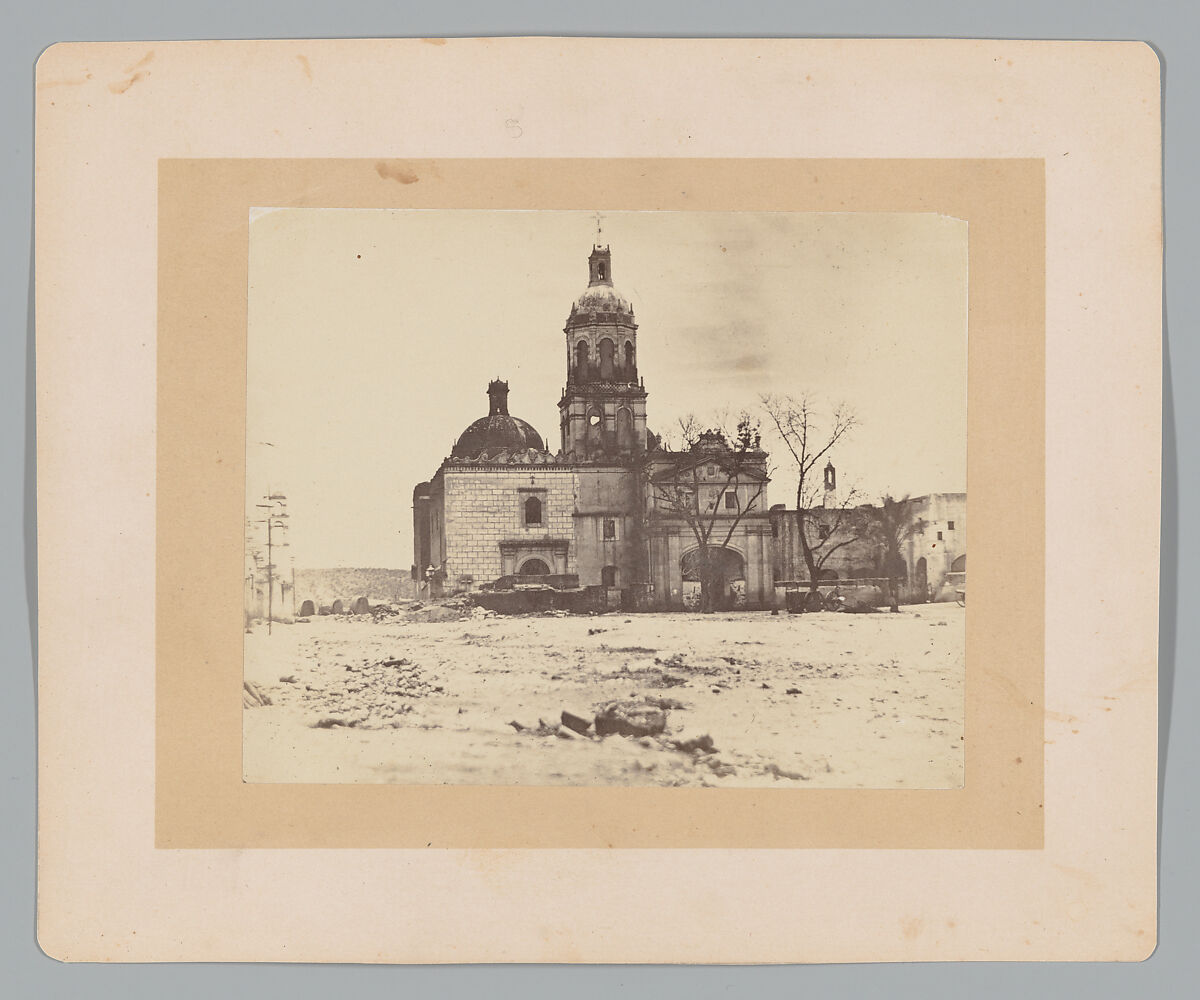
(324, 586)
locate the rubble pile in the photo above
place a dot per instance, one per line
(376, 695)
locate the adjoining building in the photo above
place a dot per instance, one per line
(935, 555)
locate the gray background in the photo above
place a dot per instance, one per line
(1170, 26)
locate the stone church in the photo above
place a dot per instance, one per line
(596, 512)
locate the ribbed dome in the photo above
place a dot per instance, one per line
(602, 298)
(497, 431)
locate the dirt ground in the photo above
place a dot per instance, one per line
(824, 700)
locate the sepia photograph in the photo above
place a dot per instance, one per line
(606, 498)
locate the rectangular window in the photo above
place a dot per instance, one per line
(731, 500)
(950, 525)
(712, 471)
(939, 536)
(823, 531)
(610, 529)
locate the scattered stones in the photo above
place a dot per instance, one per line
(793, 691)
(575, 722)
(253, 696)
(780, 772)
(666, 704)
(702, 744)
(289, 679)
(630, 718)
(596, 631)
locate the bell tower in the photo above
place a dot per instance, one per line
(602, 412)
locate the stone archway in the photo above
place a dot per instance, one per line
(534, 567)
(728, 583)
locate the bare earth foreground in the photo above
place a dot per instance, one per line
(823, 700)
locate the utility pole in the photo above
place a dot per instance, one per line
(274, 501)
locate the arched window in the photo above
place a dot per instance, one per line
(595, 428)
(624, 428)
(629, 366)
(534, 567)
(608, 351)
(581, 360)
(533, 512)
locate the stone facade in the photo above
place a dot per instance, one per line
(480, 530)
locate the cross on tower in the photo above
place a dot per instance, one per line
(599, 227)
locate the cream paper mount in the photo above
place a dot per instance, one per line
(145, 182)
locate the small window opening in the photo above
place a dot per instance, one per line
(731, 500)
(533, 512)
(610, 529)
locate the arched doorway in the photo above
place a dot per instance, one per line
(581, 361)
(921, 579)
(959, 565)
(534, 567)
(727, 580)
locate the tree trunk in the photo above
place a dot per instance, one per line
(810, 560)
(894, 594)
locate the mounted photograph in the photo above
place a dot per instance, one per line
(606, 498)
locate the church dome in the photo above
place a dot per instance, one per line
(602, 298)
(498, 431)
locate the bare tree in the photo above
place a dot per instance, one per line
(892, 525)
(711, 482)
(821, 530)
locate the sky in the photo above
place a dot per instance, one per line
(372, 336)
